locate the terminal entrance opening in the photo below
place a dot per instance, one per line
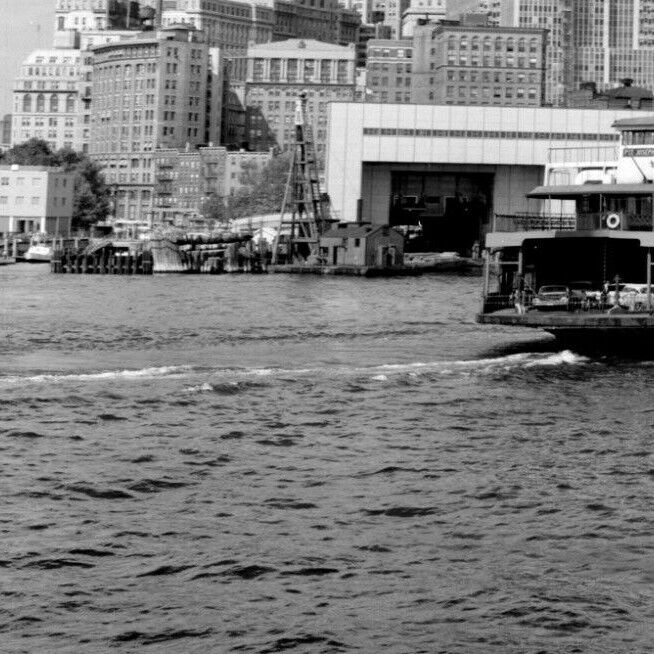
(445, 211)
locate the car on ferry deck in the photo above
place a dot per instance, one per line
(551, 298)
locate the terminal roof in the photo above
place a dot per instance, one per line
(631, 124)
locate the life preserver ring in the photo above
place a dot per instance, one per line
(613, 221)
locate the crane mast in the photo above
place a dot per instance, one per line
(304, 215)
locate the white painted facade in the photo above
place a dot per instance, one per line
(367, 143)
(35, 199)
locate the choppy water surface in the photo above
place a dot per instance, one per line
(272, 464)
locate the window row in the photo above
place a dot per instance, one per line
(507, 92)
(499, 61)
(486, 75)
(499, 44)
(53, 105)
(462, 133)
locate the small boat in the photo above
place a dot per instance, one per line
(6, 261)
(39, 251)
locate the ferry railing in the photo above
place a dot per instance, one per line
(594, 303)
(526, 222)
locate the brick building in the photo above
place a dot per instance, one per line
(160, 90)
(389, 70)
(186, 179)
(277, 72)
(470, 63)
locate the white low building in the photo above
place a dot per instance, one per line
(36, 199)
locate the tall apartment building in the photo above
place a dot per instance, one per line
(277, 72)
(555, 16)
(362, 7)
(459, 63)
(320, 20)
(47, 99)
(389, 70)
(159, 90)
(87, 15)
(368, 33)
(390, 12)
(422, 10)
(230, 25)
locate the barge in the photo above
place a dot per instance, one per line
(580, 266)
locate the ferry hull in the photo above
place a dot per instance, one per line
(585, 332)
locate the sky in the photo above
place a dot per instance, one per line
(25, 25)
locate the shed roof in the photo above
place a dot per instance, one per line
(353, 230)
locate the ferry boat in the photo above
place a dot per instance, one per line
(580, 267)
(39, 251)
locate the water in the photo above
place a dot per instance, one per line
(272, 464)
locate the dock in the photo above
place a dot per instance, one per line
(352, 271)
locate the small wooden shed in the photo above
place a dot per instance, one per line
(362, 244)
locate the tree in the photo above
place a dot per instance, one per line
(264, 187)
(91, 201)
(34, 152)
(214, 210)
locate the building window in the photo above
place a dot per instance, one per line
(40, 103)
(54, 103)
(27, 103)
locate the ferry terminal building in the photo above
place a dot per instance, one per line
(449, 169)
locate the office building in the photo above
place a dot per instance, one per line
(86, 15)
(390, 12)
(367, 33)
(158, 90)
(47, 99)
(389, 71)
(277, 72)
(35, 199)
(230, 25)
(431, 11)
(326, 21)
(471, 63)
